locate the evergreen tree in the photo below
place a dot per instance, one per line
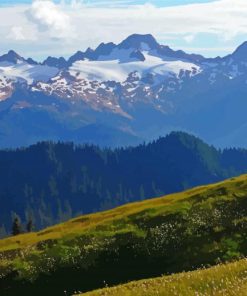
(16, 227)
(29, 226)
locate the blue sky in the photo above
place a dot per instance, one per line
(40, 28)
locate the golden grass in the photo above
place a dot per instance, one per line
(86, 223)
(222, 280)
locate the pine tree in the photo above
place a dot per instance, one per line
(16, 227)
(29, 226)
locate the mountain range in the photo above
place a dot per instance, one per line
(122, 94)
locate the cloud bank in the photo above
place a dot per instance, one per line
(66, 27)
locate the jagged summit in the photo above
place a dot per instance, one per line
(11, 57)
(55, 62)
(134, 45)
(14, 58)
(138, 41)
(104, 49)
(79, 55)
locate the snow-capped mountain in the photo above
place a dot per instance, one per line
(14, 69)
(123, 93)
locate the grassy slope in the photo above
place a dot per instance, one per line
(222, 280)
(177, 232)
(157, 206)
(87, 223)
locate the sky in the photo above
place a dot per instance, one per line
(41, 28)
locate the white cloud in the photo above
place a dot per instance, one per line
(51, 19)
(224, 18)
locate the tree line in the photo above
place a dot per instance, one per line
(17, 227)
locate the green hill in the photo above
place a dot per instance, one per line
(225, 280)
(175, 233)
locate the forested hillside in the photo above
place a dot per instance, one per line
(51, 182)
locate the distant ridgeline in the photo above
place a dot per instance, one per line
(50, 183)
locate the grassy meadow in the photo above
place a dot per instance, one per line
(180, 232)
(221, 280)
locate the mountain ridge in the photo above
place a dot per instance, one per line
(133, 41)
(134, 91)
